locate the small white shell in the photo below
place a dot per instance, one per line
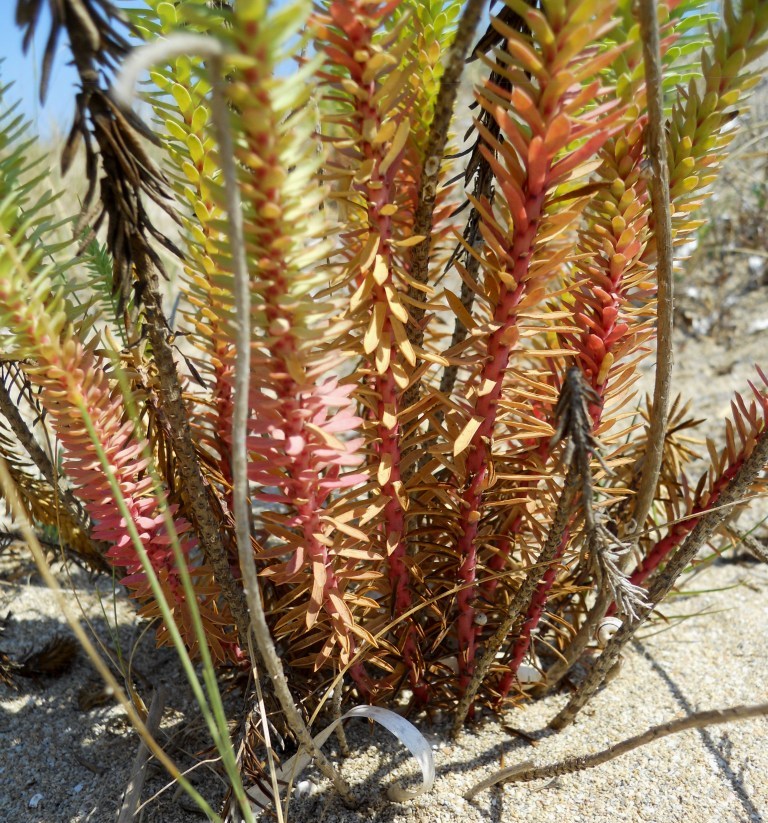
(606, 630)
(306, 788)
(481, 618)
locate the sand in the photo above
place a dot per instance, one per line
(60, 764)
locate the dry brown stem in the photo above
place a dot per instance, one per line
(132, 796)
(436, 142)
(526, 772)
(665, 580)
(659, 186)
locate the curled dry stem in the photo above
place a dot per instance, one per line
(212, 50)
(525, 772)
(259, 625)
(341, 737)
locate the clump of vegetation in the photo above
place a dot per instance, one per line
(441, 472)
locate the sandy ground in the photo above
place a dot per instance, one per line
(58, 763)
(714, 658)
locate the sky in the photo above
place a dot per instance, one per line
(55, 117)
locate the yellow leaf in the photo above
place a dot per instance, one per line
(401, 376)
(389, 417)
(431, 357)
(363, 259)
(363, 174)
(362, 633)
(397, 145)
(380, 270)
(182, 97)
(385, 133)
(341, 607)
(358, 554)
(401, 494)
(362, 293)
(467, 433)
(403, 343)
(396, 307)
(295, 369)
(351, 531)
(459, 310)
(383, 355)
(196, 150)
(375, 328)
(193, 175)
(325, 436)
(414, 240)
(486, 387)
(385, 469)
(373, 510)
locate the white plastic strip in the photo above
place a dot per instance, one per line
(401, 728)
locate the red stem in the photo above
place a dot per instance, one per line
(486, 408)
(661, 551)
(531, 621)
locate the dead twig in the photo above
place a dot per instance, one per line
(526, 772)
(665, 580)
(433, 157)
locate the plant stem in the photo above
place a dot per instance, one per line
(526, 772)
(242, 296)
(433, 157)
(132, 798)
(556, 537)
(193, 488)
(659, 186)
(665, 580)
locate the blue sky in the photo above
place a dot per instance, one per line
(24, 71)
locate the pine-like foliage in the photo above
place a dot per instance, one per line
(442, 456)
